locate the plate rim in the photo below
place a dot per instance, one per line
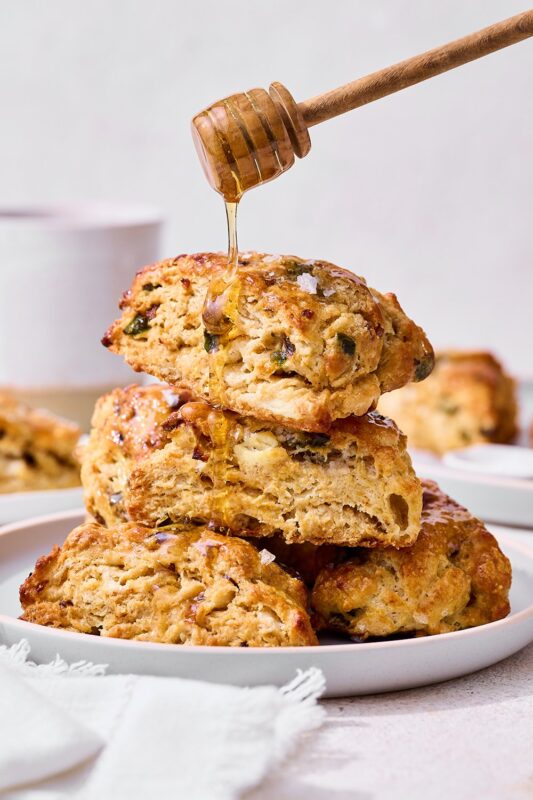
(36, 494)
(470, 476)
(127, 644)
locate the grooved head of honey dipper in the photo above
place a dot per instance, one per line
(242, 141)
(292, 118)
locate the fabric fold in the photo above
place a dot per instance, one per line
(72, 731)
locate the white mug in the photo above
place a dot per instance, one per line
(62, 272)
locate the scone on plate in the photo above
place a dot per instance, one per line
(454, 576)
(155, 456)
(469, 398)
(181, 585)
(300, 343)
(305, 560)
(37, 449)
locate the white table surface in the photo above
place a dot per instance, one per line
(467, 739)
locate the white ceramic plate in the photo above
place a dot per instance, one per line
(350, 669)
(504, 500)
(504, 460)
(17, 506)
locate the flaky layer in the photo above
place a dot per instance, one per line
(178, 585)
(469, 398)
(453, 577)
(156, 456)
(37, 449)
(305, 342)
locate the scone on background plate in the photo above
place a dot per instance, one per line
(37, 448)
(154, 457)
(181, 585)
(302, 344)
(468, 399)
(454, 576)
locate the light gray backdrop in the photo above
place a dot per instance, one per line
(427, 193)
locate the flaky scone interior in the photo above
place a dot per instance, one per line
(156, 456)
(181, 585)
(305, 342)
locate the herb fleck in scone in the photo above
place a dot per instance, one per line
(454, 576)
(469, 398)
(305, 343)
(37, 449)
(181, 585)
(155, 456)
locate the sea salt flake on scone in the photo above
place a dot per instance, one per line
(303, 342)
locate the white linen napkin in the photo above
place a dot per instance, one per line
(71, 731)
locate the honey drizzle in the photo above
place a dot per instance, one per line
(233, 245)
(220, 311)
(220, 431)
(220, 317)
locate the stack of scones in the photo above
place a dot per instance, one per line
(254, 497)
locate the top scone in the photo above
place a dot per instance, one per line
(308, 342)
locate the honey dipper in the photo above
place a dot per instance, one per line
(252, 137)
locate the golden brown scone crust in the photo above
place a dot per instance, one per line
(177, 585)
(37, 449)
(453, 577)
(151, 459)
(467, 399)
(310, 342)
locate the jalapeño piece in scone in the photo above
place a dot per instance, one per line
(157, 456)
(181, 585)
(300, 343)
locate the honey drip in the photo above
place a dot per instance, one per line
(233, 245)
(221, 324)
(219, 312)
(221, 430)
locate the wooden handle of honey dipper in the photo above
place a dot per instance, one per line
(416, 69)
(254, 136)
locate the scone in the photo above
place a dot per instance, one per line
(37, 449)
(181, 585)
(455, 576)
(154, 456)
(469, 398)
(306, 561)
(300, 343)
